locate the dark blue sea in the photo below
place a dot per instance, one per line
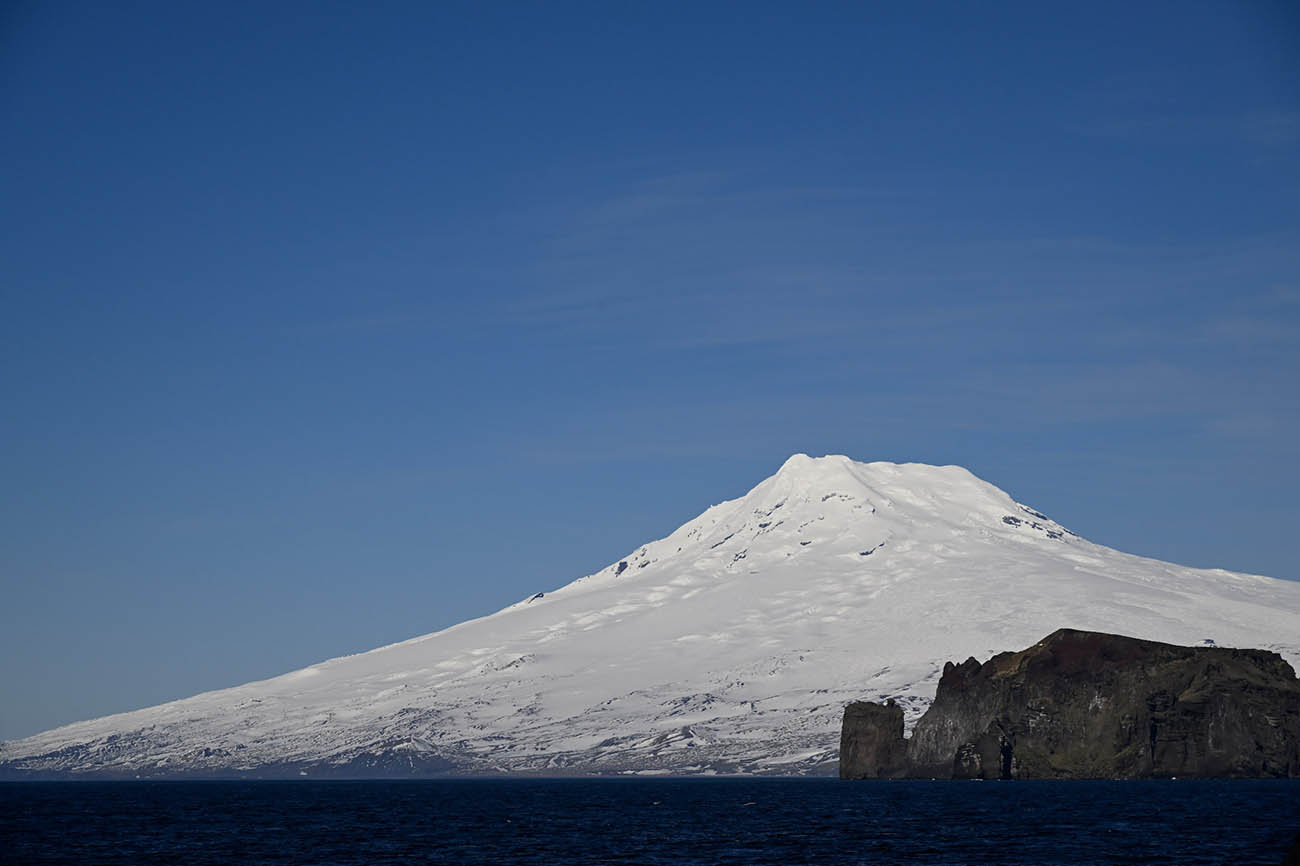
(697, 821)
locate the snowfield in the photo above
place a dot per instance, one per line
(731, 646)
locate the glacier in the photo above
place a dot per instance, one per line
(729, 647)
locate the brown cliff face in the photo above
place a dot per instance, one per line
(1090, 705)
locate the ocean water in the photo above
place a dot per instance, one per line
(649, 821)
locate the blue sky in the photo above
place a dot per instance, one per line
(326, 326)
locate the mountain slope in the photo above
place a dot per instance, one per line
(732, 645)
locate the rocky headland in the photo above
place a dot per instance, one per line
(1089, 705)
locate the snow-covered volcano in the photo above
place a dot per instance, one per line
(732, 645)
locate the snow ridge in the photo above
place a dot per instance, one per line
(731, 646)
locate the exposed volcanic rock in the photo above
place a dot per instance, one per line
(1088, 705)
(871, 740)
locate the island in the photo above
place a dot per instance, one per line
(1088, 705)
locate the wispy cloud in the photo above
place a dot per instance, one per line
(1267, 130)
(364, 324)
(1279, 128)
(1252, 330)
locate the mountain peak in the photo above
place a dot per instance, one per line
(799, 461)
(802, 477)
(801, 464)
(813, 470)
(932, 488)
(731, 645)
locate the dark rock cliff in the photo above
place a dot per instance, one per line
(1089, 705)
(871, 741)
